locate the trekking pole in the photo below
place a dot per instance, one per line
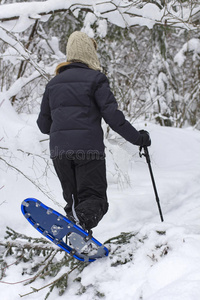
(146, 154)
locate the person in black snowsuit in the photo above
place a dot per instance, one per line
(73, 105)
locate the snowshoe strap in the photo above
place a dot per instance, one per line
(74, 212)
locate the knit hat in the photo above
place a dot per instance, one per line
(82, 48)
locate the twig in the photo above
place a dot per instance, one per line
(13, 283)
(52, 255)
(29, 246)
(25, 152)
(29, 179)
(49, 284)
(2, 102)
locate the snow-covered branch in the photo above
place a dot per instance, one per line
(122, 13)
(10, 39)
(19, 84)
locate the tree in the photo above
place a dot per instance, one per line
(150, 52)
(33, 60)
(188, 66)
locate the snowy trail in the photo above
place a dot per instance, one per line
(162, 260)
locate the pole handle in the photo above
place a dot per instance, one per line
(145, 154)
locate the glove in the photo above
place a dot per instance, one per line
(146, 140)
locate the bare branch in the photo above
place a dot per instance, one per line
(51, 283)
(36, 184)
(1, 105)
(28, 246)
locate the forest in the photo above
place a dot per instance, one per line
(150, 52)
(148, 49)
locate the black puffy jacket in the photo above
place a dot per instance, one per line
(72, 107)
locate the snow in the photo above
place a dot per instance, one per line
(193, 46)
(166, 256)
(102, 28)
(88, 21)
(162, 260)
(121, 13)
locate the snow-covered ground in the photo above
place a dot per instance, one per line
(162, 260)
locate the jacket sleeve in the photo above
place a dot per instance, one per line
(113, 117)
(44, 119)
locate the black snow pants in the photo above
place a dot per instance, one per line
(84, 182)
